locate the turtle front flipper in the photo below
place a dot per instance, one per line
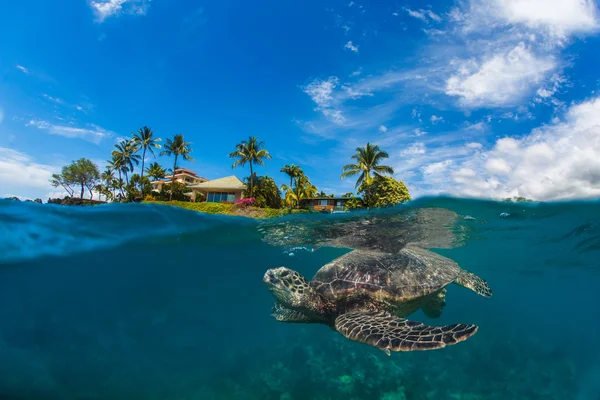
(283, 314)
(471, 281)
(389, 333)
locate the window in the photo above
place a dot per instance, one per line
(323, 202)
(218, 197)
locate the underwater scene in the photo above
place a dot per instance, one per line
(139, 301)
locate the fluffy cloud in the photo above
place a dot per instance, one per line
(383, 128)
(93, 134)
(22, 175)
(553, 162)
(501, 80)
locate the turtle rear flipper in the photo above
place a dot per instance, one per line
(389, 333)
(471, 281)
(433, 304)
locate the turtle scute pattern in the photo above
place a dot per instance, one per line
(389, 333)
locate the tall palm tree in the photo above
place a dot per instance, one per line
(144, 139)
(155, 171)
(125, 151)
(250, 151)
(116, 163)
(367, 159)
(293, 171)
(177, 147)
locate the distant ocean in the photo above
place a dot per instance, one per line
(134, 301)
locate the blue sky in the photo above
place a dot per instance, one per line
(483, 98)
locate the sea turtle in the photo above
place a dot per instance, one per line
(366, 294)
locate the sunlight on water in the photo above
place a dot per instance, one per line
(137, 301)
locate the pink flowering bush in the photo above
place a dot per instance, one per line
(245, 202)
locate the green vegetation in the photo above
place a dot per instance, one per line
(250, 151)
(144, 139)
(367, 161)
(177, 147)
(266, 192)
(378, 190)
(227, 209)
(518, 199)
(384, 191)
(81, 173)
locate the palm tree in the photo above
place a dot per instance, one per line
(249, 152)
(155, 171)
(107, 177)
(367, 161)
(117, 164)
(177, 147)
(293, 171)
(144, 139)
(125, 151)
(304, 190)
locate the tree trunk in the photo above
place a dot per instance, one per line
(120, 181)
(173, 179)
(291, 188)
(82, 191)
(251, 181)
(143, 159)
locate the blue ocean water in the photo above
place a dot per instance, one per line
(134, 301)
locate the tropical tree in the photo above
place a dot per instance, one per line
(177, 147)
(116, 164)
(125, 152)
(82, 173)
(107, 178)
(293, 171)
(266, 191)
(250, 151)
(144, 139)
(155, 171)
(384, 191)
(367, 160)
(304, 190)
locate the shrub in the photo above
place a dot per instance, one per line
(245, 202)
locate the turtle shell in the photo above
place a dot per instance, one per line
(411, 273)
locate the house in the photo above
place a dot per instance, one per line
(223, 190)
(182, 175)
(330, 204)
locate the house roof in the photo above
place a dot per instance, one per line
(229, 182)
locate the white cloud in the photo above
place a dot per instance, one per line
(383, 128)
(104, 9)
(435, 118)
(437, 167)
(351, 47)
(558, 17)
(93, 134)
(419, 132)
(553, 162)
(424, 15)
(22, 69)
(474, 145)
(21, 174)
(415, 148)
(501, 80)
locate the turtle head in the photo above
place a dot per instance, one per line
(289, 287)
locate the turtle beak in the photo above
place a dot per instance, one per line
(267, 277)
